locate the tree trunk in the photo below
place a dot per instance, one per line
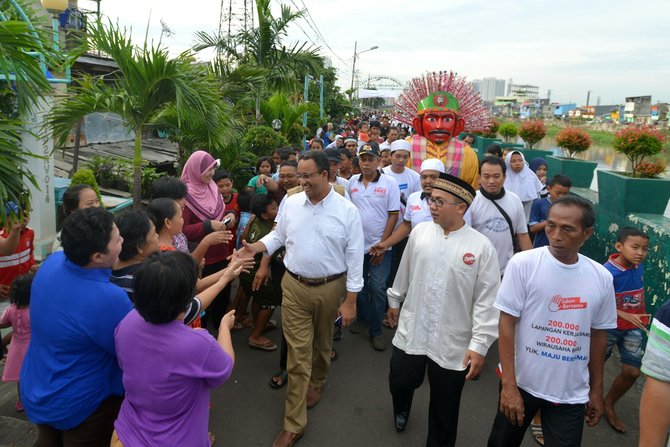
(137, 169)
(258, 109)
(75, 155)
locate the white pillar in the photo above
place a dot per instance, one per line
(43, 216)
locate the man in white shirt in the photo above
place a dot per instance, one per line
(409, 182)
(487, 218)
(377, 198)
(448, 278)
(323, 236)
(555, 307)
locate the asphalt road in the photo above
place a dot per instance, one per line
(355, 409)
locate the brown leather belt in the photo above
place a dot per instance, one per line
(315, 281)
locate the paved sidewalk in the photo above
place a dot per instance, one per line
(355, 409)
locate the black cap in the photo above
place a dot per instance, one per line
(370, 148)
(333, 154)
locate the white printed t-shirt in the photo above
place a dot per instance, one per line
(484, 217)
(557, 305)
(409, 181)
(375, 203)
(417, 210)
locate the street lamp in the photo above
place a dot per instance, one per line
(353, 68)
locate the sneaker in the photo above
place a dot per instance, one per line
(358, 327)
(379, 343)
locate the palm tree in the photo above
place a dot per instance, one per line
(261, 47)
(147, 82)
(22, 85)
(279, 107)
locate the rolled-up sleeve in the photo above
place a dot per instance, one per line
(354, 253)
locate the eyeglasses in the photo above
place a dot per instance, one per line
(306, 176)
(439, 203)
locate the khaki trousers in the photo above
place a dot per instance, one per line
(308, 314)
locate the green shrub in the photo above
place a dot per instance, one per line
(85, 176)
(508, 131)
(262, 140)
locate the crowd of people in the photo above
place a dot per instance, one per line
(122, 332)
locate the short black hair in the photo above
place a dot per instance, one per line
(71, 198)
(320, 158)
(291, 163)
(346, 152)
(286, 152)
(260, 161)
(626, 232)
(560, 179)
(355, 162)
(494, 149)
(85, 232)
(164, 285)
(468, 135)
(170, 187)
(19, 291)
(220, 174)
(244, 200)
(493, 161)
(588, 212)
(260, 203)
(134, 227)
(161, 209)
(376, 124)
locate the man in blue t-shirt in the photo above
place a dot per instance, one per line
(70, 380)
(557, 187)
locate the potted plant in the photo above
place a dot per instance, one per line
(635, 191)
(531, 132)
(573, 141)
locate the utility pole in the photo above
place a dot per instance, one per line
(353, 73)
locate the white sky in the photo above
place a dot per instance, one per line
(614, 48)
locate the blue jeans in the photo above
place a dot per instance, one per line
(372, 299)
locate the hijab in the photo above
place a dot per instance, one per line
(203, 199)
(524, 184)
(536, 162)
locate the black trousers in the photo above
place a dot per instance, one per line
(562, 424)
(217, 309)
(406, 375)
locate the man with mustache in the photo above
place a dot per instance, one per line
(437, 123)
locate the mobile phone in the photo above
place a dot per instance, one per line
(226, 220)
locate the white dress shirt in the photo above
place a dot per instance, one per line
(448, 284)
(321, 240)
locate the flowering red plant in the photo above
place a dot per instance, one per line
(651, 169)
(636, 143)
(532, 132)
(573, 140)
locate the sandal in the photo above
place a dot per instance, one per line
(334, 355)
(267, 346)
(282, 376)
(536, 433)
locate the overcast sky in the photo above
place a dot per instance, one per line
(614, 48)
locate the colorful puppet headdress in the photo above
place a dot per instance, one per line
(472, 109)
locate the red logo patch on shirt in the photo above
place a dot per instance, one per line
(353, 190)
(469, 258)
(559, 303)
(415, 208)
(379, 190)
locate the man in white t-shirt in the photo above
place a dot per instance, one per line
(377, 197)
(409, 182)
(555, 307)
(485, 217)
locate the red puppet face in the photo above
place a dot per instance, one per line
(439, 127)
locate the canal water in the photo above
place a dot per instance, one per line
(606, 157)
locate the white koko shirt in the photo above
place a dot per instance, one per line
(557, 305)
(417, 210)
(448, 285)
(321, 240)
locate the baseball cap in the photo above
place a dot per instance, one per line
(370, 148)
(333, 154)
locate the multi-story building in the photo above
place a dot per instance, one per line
(489, 88)
(637, 110)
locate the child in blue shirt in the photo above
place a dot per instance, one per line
(627, 269)
(557, 187)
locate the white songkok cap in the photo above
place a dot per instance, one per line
(432, 164)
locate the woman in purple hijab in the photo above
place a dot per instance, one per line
(203, 213)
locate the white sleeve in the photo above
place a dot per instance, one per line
(393, 203)
(397, 293)
(511, 296)
(354, 253)
(606, 315)
(484, 315)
